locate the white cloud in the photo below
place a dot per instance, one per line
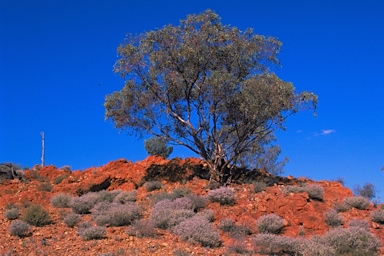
(324, 132)
(327, 132)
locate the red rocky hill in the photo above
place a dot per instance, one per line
(302, 215)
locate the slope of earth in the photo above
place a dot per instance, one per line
(303, 216)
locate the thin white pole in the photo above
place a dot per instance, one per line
(42, 149)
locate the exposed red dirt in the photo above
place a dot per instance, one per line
(299, 211)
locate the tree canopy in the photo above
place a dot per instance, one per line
(208, 87)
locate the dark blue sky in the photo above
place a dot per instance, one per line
(55, 54)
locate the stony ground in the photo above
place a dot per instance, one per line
(301, 214)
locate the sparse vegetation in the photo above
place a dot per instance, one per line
(198, 230)
(61, 200)
(358, 202)
(332, 218)
(142, 228)
(126, 197)
(84, 203)
(88, 232)
(315, 191)
(223, 195)
(19, 228)
(72, 219)
(115, 214)
(270, 224)
(36, 215)
(12, 214)
(367, 190)
(341, 206)
(378, 216)
(258, 186)
(153, 185)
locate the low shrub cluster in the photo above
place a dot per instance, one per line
(258, 186)
(115, 214)
(72, 219)
(12, 213)
(198, 230)
(89, 232)
(358, 202)
(153, 185)
(61, 200)
(378, 216)
(36, 215)
(314, 191)
(270, 224)
(338, 241)
(223, 195)
(142, 228)
(19, 228)
(235, 231)
(332, 218)
(166, 213)
(341, 206)
(126, 197)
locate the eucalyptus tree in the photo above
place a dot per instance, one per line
(208, 87)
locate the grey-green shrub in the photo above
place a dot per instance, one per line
(19, 228)
(84, 203)
(270, 224)
(126, 197)
(378, 216)
(332, 218)
(61, 200)
(273, 244)
(153, 185)
(91, 232)
(198, 230)
(352, 241)
(166, 213)
(293, 189)
(116, 214)
(355, 223)
(223, 195)
(358, 202)
(12, 214)
(258, 186)
(207, 214)
(142, 228)
(226, 224)
(368, 190)
(36, 215)
(315, 191)
(341, 206)
(72, 219)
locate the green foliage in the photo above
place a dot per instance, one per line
(36, 215)
(208, 87)
(157, 147)
(367, 190)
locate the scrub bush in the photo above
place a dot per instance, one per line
(223, 195)
(142, 228)
(91, 232)
(270, 224)
(166, 213)
(358, 202)
(61, 200)
(153, 185)
(12, 214)
(19, 228)
(272, 244)
(198, 230)
(315, 192)
(84, 203)
(36, 215)
(72, 219)
(126, 197)
(332, 218)
(258, 186)
(115, 214)
(378, 216)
